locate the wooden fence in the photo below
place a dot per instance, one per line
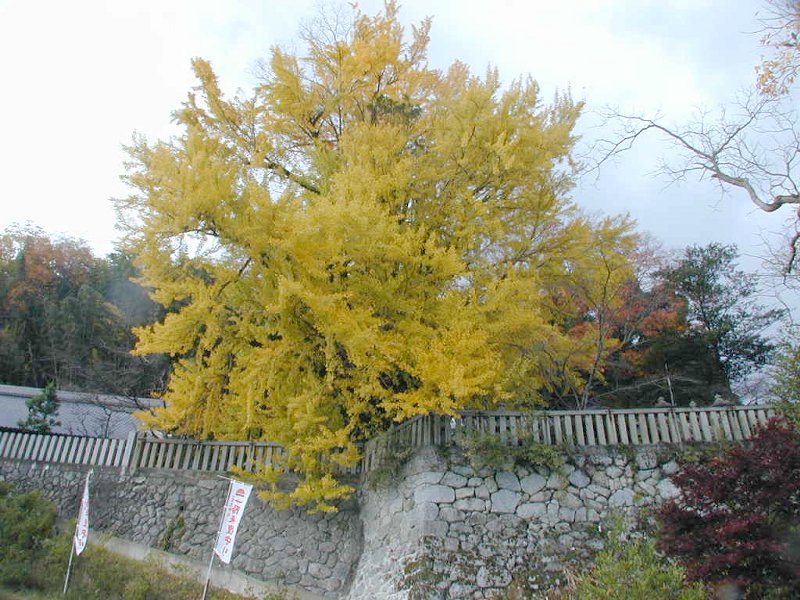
(185, 455)
(568, 428)
(66, 449)
(609, 427)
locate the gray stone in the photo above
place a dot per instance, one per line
(426, 511)
(579, 479)
(451, 544)
(486, 578)
(505, 501)
(436, 529)
(462, 529)
(464, 492)
(556, 481)
(482, 492)
(531, 510)
(614, 472)
(454, 480)
(506, 480)
(474, 481)
(450, 514)
(425, 477)
(601, 458)
(599, 490)
(570, 501)
(532, 483)
(319, 571)
(623, 497)
(464, 470)
(566, 514)
(441, 494)
(647, 489)
(670, 468)
(646, 460)
(667, 490)
(470, 504)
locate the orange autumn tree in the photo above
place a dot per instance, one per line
(360, 240)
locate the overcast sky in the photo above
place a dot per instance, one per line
(78, 78)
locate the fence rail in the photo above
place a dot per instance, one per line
(65, 449)
(220, 457)
(571, 428)
(576, 428)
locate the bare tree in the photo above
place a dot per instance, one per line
(781, 35)
(750, 147)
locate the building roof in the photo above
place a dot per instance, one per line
(79, 413)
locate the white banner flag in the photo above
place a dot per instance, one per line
(82, 528)
(238, 493)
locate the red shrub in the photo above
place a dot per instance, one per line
(737, 519)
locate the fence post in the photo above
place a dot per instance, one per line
(129, 454)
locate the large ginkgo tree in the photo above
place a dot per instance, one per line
(360, 240)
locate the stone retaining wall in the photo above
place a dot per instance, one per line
(445, 530)
(180, 513)
(437, 528)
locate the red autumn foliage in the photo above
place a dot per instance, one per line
(737, 519)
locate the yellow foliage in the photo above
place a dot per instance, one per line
(364, 240)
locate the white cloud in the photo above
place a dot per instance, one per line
(80, 77)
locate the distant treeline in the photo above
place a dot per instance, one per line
(66, 317)
(681, 330)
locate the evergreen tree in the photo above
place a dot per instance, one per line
(725, 339)
(42, 411)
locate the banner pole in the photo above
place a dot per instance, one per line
(216, 537)
(69, 566)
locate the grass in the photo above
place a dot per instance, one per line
(99, 574)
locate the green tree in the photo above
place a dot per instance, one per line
(27, 522)
(786, 369)
(66, 317)
(42, 410)
(361, 240)
(725, 339)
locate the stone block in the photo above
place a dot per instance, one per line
(437, 529)
(506, 480)
(454, 480)
(451, 544)
(441, 494)
(425, 511)
(622, 497)
(450, 514)
(505, 501)
(464, 470)
(646, 460)
(490, 578)
(531, 510)
(426, 477)
(556, 481)
(667, 490)
(566, 514)
(470, 504)
(670, 468)
(579, 479)
(465, 492)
